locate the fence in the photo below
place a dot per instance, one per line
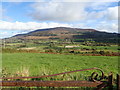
(102, 82)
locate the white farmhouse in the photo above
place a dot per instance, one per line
(71, 46)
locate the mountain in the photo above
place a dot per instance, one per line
(75, 34)
(58, 32)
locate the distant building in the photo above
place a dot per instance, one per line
(71, 46)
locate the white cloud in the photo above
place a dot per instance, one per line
(4, 25)
(67, 12)
(29, 26)
(112, 13)
(4, 34)
(63, 12)
(72, 12)
(60, 0)
(108, 27)
(85, 0)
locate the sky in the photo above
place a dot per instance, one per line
(22, 16)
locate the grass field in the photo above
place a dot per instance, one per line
(36, 64)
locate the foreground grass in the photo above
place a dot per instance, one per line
(34, 64)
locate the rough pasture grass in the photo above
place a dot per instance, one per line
(38, 63)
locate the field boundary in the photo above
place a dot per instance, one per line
(102, 82)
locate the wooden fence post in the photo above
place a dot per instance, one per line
(118, 82)
(110, 81)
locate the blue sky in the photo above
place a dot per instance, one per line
(22, 17)
(17, 11)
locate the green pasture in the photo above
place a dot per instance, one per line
(41, 45)
(36, 64)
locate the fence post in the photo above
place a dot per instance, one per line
(110, 81)
(118, 82)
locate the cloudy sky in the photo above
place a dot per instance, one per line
(21, 16)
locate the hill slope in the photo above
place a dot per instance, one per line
(75, 34)
(58, 32)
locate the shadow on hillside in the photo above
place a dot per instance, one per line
(101, 37)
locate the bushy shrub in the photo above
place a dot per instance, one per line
(49, 50)
(102, 52)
